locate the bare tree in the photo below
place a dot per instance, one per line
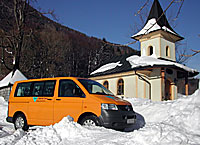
(16, 31)
(181, 52)
(15, 38)
(194, 52)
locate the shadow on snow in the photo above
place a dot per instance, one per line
(140, 123)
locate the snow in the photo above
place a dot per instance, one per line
(142, 61)
(3, 108)
(107, 67)
(137, 61)
(158, 123)
(167, 29)
(9, 79)
(152, 26)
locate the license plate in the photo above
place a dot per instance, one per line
(130, 121)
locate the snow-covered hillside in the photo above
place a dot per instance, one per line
(159, 123)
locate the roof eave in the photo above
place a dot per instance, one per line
(190, 74)
(176, 36)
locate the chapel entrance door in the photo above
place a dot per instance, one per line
(168, 94)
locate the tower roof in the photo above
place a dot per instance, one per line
(156, 21)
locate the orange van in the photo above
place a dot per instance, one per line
(46, 101)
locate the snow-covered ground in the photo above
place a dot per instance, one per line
(159, 123)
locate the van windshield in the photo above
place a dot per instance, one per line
(94, 87)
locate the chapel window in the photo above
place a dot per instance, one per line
(150, 50)
(106, 85)
(167, 51)
(120, 87)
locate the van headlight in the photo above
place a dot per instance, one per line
(109, 106)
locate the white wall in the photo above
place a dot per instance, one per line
(130, 86)
(156, 90)
(155, 43)
(159, 47)
(143, 84)
(199, 83)
(135, 87)
(171, 45)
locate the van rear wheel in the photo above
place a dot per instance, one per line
(20, 122)
(90, 121)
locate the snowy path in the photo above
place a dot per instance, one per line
(160, 123)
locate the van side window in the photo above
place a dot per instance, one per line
(49, 88)
(38, 88)
(43, 88)
(69, 88)
(23, 89)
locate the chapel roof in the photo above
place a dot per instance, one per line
(128, 62)
(156, 21)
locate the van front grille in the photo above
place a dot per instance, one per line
(125, 107)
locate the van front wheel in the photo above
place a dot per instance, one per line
(20, 122)
(90, 121)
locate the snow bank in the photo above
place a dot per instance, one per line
(180, 117)
(2, 102)
(3, 109)
(65, 132)
(170, 122)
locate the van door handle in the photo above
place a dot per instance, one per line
(49, 99)
(58, 99)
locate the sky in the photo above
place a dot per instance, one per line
(115, 20)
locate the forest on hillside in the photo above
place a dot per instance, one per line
(47, 48)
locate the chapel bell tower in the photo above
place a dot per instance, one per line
(157, 38)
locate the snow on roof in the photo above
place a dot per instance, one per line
(9, 79)
(142, 61)
(156, 21)
(137, 61)
(151, 26)
(106, 67)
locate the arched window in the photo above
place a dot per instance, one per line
(167, 51)
(106, 85)
(150, 50)
(120, 87)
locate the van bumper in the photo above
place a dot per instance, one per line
(9, 119)
(117, 119)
